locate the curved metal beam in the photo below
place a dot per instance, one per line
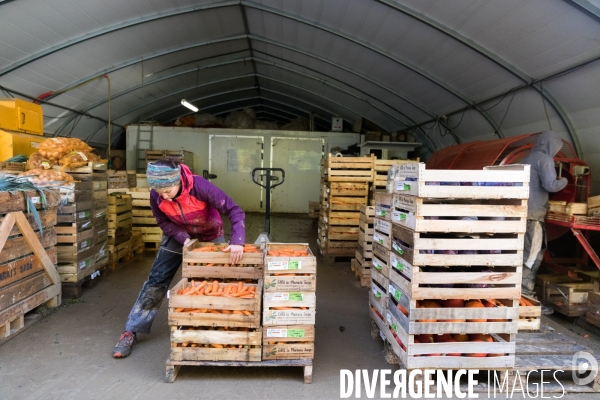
(381, 52)
(579, 4)
(115, 28)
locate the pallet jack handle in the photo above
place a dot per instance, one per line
(266, 172)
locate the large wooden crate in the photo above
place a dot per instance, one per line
(382, 232)
(383, 204)
(289, 308)
(215, 344)
(570, 299)
(498, 182)
(380, 171)
(288, 342)
(179, 317)
(216, 264)
(460, 215)
(28, 276)
(349, 169)
(530, 316)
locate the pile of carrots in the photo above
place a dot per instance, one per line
(215, 345)
(215, 248)
(233, 289)
(288, 308)
(288, 252)
(523, 302)
(227, 265)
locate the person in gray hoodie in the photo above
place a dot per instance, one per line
(543, 180)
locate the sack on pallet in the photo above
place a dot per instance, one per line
(42, 177)
(270, 125)
(37, 161)
(240, 119)
(77, 159)
(56, 148)
(298, 124)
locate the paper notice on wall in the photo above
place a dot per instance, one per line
(241, 160)
(303, 160)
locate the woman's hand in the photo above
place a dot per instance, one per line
(237, 251)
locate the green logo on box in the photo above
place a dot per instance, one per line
(294, 265)
(295, 333)
(296, 297)
(406, 187)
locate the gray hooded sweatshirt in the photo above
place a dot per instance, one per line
(543, 174)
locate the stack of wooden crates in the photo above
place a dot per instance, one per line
(82, 228)
(344, 188)
(441, 256)
(274, 330)
(26, 280)
(363, 256)
(144, 223)
(289, 305)
(119, 224)
(215, 328)
(179, 156)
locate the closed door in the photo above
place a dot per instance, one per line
(232, 158)
(300, 159)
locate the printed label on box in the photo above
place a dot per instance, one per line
(284, 265)
(397, 247)
(277, 332)
(376, 292)
(376, 264)
(398, 216)
(396, 294)
(35, 199)
(377, 238)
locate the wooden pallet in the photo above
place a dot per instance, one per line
(173, 367)
(183, 340)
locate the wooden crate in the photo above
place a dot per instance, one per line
(345, 218)
(380, 170)
(186, 318)
(30, 279)
(149, 233)
(570, 299)
(456, 215)
(288, 342)
(94, 171)
(76, 271)
(339, 247)
(379, 287)
(543, 281)
(592, 314)
(346, 189)
(300, 308)
(293, 273)
(80, 213)
(363, 273)
(530, 316)
(76, 192)
(417, 248)
(377, 311)
(216, 264)
(414, 179)
(75, 233)
(194, 343)
(364, 255)
(349, 169)
(406, 328)
(9, 166)
(343, 233)
(382, 232)
(341, 203)
(503, 282)
(383, 204)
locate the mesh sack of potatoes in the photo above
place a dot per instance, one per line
(37, 161)
(43, 177)
(56, 148)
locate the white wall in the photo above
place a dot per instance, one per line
(196, 140)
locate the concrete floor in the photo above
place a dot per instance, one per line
(68, 355)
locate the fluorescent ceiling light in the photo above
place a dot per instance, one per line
(189, 105)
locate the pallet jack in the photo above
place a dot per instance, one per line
(270, 175)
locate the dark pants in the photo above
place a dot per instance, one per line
(165, 266)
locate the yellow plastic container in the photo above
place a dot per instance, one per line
(12, 144)
(21, 116)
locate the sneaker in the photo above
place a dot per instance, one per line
(125, 344)
(546, 310)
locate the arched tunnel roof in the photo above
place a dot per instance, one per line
(450, 71)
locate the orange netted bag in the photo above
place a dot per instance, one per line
(37, 161)
(56, 148)
(77, 159)
(43, 177)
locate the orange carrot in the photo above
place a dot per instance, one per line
(215, 286)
